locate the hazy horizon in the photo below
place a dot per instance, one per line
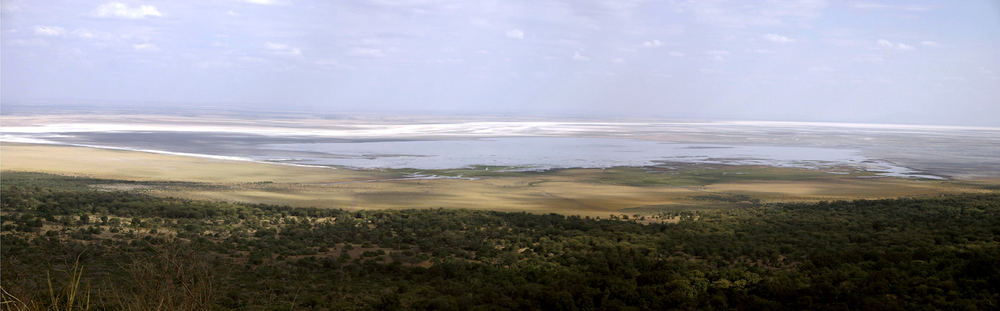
(887, 62)
(212, 113)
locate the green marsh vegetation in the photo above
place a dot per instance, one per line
(674, 174)
(141, 252)
(703, 174)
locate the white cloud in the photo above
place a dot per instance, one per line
(886, 44)
(264, 2)
(883, 6)
(208, 64)
(92, 35)
(84, 34)
(50, 31)
(276, 46)
(370, 41)
(368, 52)
(822, 69)
(515, 34)
(252, 60)
(328, 62)
(618, 60)
(869, 59)
(447, 60)
(778, 38)
(283, 49)
(870, 5)
(145, 47)
(652, 43)
(580, 57)
(754, 13)
(421, 6)
(33, 42)
(718, 55)
(676, 54)
(932, 44)
(916, 8)
(121, 10)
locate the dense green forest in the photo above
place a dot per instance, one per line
(139, 252)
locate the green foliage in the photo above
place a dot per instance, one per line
(700, 175)
(148, 253)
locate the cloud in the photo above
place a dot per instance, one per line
(283, 49)
(515, 34)
(916, 8)
(675, 54)
(870, 5)
(252, 60)
(869, 59)
(367, 52)
(580, 57)
(416, 5)
(92, 35)
(754, 13)
(264, 2)
(145, 47)
(778, 38)
(447, 60)
(886, 44)
(208, 64)
(618, 60)
(50, 31)
(652, 43)
(932, 44)
(84, 34)
(330, 63)
(883, 6)
(718, 55)
(276, 46)
(121, 10)
(822, 68)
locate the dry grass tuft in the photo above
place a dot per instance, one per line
(69, 297)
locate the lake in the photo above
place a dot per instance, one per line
(909, 151)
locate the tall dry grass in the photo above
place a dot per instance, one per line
(171, 277)
(70, 296)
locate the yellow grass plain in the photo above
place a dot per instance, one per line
(592, 192)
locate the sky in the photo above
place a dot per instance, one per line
(919, 62)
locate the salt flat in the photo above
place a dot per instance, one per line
(569, 166)
(437, 143)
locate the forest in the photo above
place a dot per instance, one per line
(69, 245)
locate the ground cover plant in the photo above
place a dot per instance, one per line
(114, 249)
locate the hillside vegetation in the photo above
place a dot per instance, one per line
(112, 248)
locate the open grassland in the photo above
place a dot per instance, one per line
(143, 166)
(592, 192)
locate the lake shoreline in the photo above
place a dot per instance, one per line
(593, 192)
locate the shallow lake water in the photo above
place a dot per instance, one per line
(522, 153)
(912, 151)
(550, 152)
